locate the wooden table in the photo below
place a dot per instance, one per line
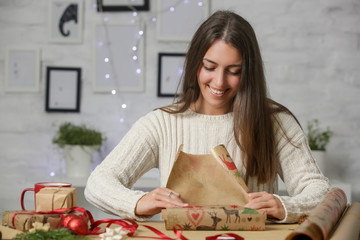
(273, 231)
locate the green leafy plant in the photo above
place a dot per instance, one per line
(318, 138)
(70, 134)
(57, 234)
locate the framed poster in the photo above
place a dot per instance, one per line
(63, 89)
(65, 21)
(170, 71)
(122, 5)
(22, 69)
(172, 15)
(119, 58)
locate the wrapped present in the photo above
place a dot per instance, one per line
(51, 198)
(228, 217)
(23, 219)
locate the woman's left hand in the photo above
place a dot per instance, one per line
(268, 203)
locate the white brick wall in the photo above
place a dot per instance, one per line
(311, 50)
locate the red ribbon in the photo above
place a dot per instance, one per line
(177, 233)
(132, 226)
(94, 228)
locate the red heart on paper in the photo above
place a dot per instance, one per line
(195, 215)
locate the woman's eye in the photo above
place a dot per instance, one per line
(209, 68)
(236, 73)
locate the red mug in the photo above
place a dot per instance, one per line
(39, 186)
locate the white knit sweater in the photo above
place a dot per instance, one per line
(153, 142)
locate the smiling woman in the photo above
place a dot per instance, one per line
(218, 79)
(223, 101)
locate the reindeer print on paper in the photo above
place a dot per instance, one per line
(229, 163)
(215, 219)
(231, 212)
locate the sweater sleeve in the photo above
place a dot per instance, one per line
(109, 185)
(305, 183)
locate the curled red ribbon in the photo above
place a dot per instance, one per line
(178, 233)
(94, 228)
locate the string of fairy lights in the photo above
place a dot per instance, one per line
(136, 17)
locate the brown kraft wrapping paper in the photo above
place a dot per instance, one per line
(203, 179)
(227, 217)
(323, 217)
(349, 226)
(51, 198)
(215, 192)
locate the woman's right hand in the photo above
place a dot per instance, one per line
(160, 198)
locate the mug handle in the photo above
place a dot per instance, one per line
(22, 196)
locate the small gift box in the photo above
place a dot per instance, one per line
(228, 217)
(51, 198)
(23, 219)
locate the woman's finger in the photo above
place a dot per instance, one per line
(266, 202)
(167, 195)
(160, 198)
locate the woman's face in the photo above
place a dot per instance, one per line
(218, 78)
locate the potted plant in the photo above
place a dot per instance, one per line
(79, 143)
(318, 140)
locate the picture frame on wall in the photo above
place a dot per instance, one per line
(63, 89)
(22, 69)
(122, 5)
(119, 58)
(172, 14)
(170, 71)
(65, 23)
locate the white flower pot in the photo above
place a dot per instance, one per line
(320, 159)
(79, 160)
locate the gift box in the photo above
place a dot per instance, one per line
(51, 198)
(227, 217)
(23, 219)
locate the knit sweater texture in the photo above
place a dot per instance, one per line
(153, 142)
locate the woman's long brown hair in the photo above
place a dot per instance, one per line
(252, 109)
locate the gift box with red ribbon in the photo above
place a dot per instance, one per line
(23, 219)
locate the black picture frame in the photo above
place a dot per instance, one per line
(170, 71)
(63, 89)
(101, 7)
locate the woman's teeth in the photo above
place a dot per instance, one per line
(216, 91)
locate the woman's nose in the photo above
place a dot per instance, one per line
(220, 78)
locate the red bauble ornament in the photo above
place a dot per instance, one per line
(75, 223)
(65, 220)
